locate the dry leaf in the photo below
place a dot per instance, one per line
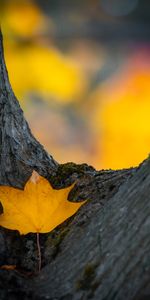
(37, 208)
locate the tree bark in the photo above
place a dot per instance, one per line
(103, 252)
(20, 152)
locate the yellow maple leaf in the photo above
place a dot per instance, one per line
(38, 208)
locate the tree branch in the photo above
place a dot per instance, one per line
(20, 152)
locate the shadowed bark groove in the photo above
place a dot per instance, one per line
(103, 252)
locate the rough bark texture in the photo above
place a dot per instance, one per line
(103, 252)
(20, 153)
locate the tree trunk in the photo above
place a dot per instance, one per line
(103, 252)
(20, 153)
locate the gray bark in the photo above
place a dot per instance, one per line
(103, 252)
(106, 252)
(20, 153)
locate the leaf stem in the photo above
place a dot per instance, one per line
(39, 251)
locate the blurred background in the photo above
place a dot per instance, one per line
(81, 71)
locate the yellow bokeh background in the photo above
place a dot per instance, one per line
(106, 124)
